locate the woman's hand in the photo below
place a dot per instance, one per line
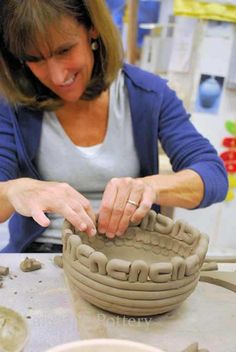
(124, 200)
(34, 198)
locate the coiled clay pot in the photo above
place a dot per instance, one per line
(150, 270)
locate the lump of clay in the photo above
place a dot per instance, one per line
(194, 348)
(58, 261)
(30, 264)
(149, 270)
(4, 271)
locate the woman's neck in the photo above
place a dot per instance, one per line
(84, 107)
(85, 122)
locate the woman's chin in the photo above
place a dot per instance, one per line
(70, 98)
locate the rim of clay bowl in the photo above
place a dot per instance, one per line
(195, 250)
(9, 312)
(81, 346)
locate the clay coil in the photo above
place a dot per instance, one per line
(140, 286)
(126, 310)
(77, 277)
(125, 302)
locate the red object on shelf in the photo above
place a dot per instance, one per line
(230, 166)
(229, 142)
(229, 155)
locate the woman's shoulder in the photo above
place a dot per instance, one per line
(4, 105)
(9, 109)
(144, 79)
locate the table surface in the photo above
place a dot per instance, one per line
(54, 317)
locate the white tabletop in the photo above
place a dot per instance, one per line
(208, 316)
(42, 298)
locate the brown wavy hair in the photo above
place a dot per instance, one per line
(23, 22)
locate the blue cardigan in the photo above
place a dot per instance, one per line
(156, 114)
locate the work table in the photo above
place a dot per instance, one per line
(208, 316)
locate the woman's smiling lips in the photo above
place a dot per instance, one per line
(69, 83)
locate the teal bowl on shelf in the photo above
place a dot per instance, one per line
(209, 91)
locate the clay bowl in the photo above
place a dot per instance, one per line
(150, 270)
(13, 331)
(104, 345)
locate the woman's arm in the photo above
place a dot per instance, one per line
(6, 208)
(182, 189)
(129, 199)
(188, 150)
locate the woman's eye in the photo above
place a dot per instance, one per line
(31, 59)
(64, 51)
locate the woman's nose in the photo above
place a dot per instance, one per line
(56, 71)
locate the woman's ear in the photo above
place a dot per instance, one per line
(93, 33)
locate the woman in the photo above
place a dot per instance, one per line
(79, 129)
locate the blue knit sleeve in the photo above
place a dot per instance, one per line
(9, 168)
(188, 149)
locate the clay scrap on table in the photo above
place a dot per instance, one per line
(4, 271)
(194, 348)
(226, 279)
(30, 264)
(58, 261)
(149, 270)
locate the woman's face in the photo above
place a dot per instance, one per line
(65, 67)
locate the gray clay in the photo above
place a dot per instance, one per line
(4, 270)
(209, 266)
(13, 330)
(194, 348)
(58, 261)
(149, 270)
(30, 264)
(226, 279)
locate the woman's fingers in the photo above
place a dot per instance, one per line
(145, 205)
(113, 206)
(80, 219)
(75, 208)
(88, 209)
(132, 204)
(77, 216)
(124, 200)
(108, 200)
(35, 198)
(39, 216)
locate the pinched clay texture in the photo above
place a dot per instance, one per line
(149, 270)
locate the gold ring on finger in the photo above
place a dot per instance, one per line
(132, 202)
